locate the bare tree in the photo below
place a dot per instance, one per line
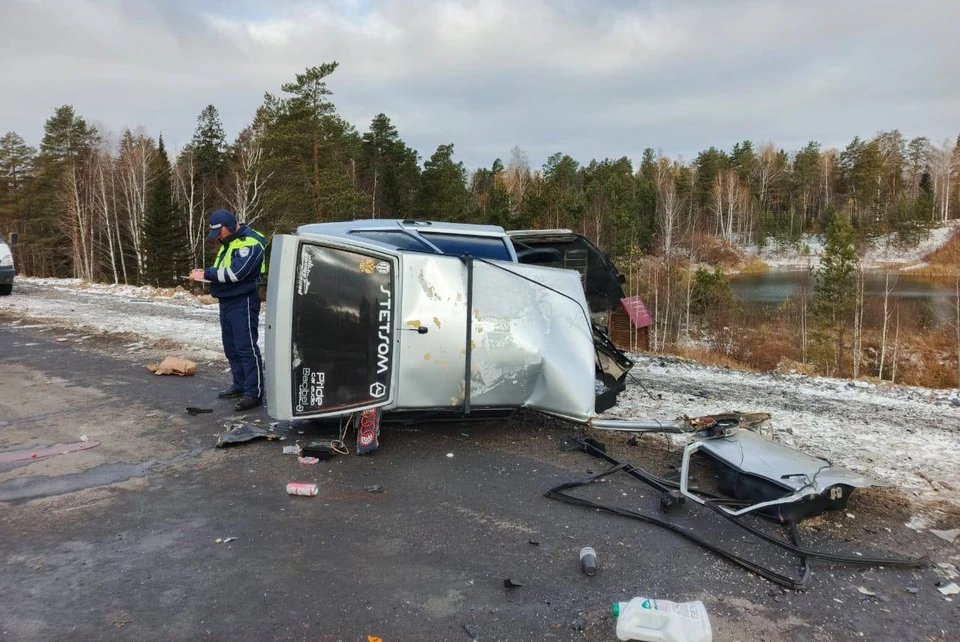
(942, 168)
(896, 348)
(669, 205)
(828, 171)
(517, 179)
(77, 196)
(768, 171)
(135, 166)
(860, 284)
(104, 201)
(888, 288)
(190, 201)
(249, 176)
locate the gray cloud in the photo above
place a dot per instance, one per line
(593, 79)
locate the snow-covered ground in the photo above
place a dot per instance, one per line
(883, 252)
(904, 437)
(144, 314)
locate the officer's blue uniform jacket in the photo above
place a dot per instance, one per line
(239, 264)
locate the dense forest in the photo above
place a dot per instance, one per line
(100, 207)
(90, 204)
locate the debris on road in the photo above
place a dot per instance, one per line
(949, 589)
(308, 461)
(291, 450)
(324, 449)
(224, 540)
(562, 493)
(193, 411)
(511, 583)
(648, 619)
(950, 535)
(240, 433)
(376, 488)
(865, 591)
(11, 456)
(302, 489)
(588, 560)
(368, 430)
(174, 366)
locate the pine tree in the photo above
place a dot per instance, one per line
(16, 169)
(67, 141)
(443, 192)
(165, 241)
(833, 292)
(209, 149)
(310, 153)
(391, 175)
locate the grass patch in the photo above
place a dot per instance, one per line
(948, 255)
(755, 266)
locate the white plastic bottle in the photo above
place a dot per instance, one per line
(650, 620)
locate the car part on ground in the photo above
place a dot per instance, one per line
(718, 505)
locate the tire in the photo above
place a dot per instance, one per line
(6, 289)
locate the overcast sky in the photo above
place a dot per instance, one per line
(592, 78)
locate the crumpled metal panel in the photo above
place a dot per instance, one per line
(787, 467)
(531, 339)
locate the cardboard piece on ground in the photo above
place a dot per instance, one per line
(174, 365)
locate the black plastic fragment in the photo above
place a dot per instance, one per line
(197, 411)
(240, 433)
(511, 583)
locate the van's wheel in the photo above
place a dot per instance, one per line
(6, 289)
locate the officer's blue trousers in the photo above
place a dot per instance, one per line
(239, 325)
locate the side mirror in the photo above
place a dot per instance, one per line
(13, 238)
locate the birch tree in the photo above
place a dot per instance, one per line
(888, 288)
(136, 167)
(942, 168)
(669, 205)
(188, 191)
(248, 176)
(769, 170)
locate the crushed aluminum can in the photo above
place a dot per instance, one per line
(303, 489)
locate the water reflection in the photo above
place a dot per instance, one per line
(933, 300)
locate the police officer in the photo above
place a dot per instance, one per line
(234, 280)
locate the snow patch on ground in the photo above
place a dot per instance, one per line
(149, 314)
(882, 252)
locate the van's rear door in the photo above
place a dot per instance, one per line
(331, 337)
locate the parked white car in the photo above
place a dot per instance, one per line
(7, 271)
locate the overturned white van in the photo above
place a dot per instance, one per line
(438, 320)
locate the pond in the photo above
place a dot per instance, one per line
(933, 300)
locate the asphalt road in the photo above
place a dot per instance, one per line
(117, 541)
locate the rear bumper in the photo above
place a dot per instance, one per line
(7, 272)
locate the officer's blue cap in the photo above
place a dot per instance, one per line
(221, 218)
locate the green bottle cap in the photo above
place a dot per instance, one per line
(616, 609)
